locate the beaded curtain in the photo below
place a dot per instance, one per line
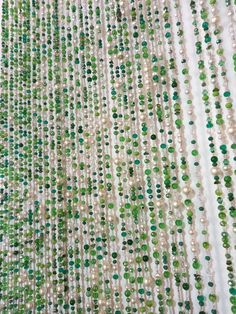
(118, 157)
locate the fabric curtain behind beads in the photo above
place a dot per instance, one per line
(117, 156)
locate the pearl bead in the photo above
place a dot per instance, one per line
(176, 204)
(214, 170)
(186, 190)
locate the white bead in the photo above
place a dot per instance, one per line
(214, 170)
(186, 190)
(175, 204)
